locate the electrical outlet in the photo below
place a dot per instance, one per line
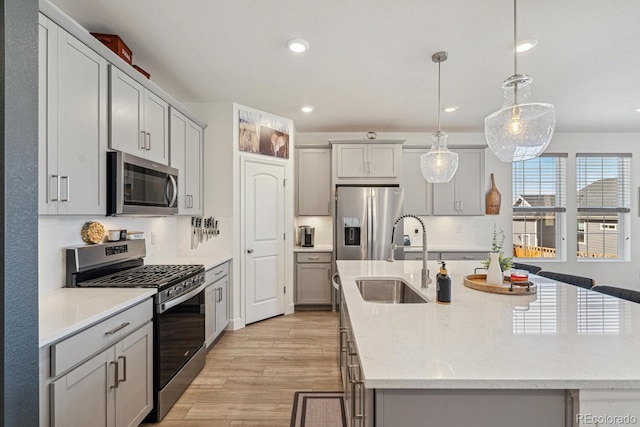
(153, 238)
(459, 229)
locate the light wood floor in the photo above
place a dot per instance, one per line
(252, 374)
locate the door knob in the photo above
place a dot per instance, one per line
(249, 251)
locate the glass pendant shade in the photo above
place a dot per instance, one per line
(521, 129)
(438, 165)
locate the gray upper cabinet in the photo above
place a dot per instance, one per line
(313, 180)
(464, 194)
(417, 191)
(72, 124)
(139, 119)
(186, 156)
(367, 163)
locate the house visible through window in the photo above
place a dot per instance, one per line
(539, 206)
(603, 204)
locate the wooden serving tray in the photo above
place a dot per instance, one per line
(479, 282)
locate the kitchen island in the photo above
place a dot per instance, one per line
(555, 358)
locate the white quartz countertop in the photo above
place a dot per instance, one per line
(432, 248)
(316, 248)
(564, 337)
(65, 311)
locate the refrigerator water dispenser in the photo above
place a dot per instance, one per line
(352, 227)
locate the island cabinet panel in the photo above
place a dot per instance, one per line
(590, 407)
(472, 407)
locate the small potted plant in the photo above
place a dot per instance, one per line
(497, 262)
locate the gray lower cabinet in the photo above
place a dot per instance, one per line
(216, 301)
(112, 387)
(313, 278)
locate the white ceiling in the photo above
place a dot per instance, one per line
(369, 65)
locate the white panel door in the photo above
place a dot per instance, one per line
(264, 240)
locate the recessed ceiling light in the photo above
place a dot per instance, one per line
(307, 109)
(450, 109)
(526, 45)
(638, 110)
(298, 45)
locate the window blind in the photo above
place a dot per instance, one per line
(603, 182)
(538, 185)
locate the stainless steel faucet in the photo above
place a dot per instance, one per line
(425, 271)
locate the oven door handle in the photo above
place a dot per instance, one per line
(161, 308)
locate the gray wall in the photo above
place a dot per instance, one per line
(19, 211)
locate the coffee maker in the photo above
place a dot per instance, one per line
(306, 236)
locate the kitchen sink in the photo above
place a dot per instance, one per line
(388, 291)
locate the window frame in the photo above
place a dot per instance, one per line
(623, 212)
(559, 211)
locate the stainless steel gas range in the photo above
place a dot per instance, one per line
(178, 340)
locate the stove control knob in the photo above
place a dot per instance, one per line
(170, 293)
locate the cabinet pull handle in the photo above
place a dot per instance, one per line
(467, 257)
(57, 178)
(124, 370)
(314, 257)
(190, 200)
(217, 273)
(461, 205)
(67, 179)
(141, 142)
(369, 168)
(115, 382)
(117, 328)
(249, 251)
(147, 143)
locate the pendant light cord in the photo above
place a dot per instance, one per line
(515, 51)
(439, 64)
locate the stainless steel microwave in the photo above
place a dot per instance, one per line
(137, 186)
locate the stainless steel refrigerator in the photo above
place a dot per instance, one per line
(364, 221)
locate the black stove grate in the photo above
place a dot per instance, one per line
(145, 276)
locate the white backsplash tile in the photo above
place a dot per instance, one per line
(57, 233)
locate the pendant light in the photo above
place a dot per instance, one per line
(521, 129)
(438, 165)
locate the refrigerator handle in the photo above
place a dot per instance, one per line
(370, 221)
(373, 220)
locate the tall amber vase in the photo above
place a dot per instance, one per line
(493, 199)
